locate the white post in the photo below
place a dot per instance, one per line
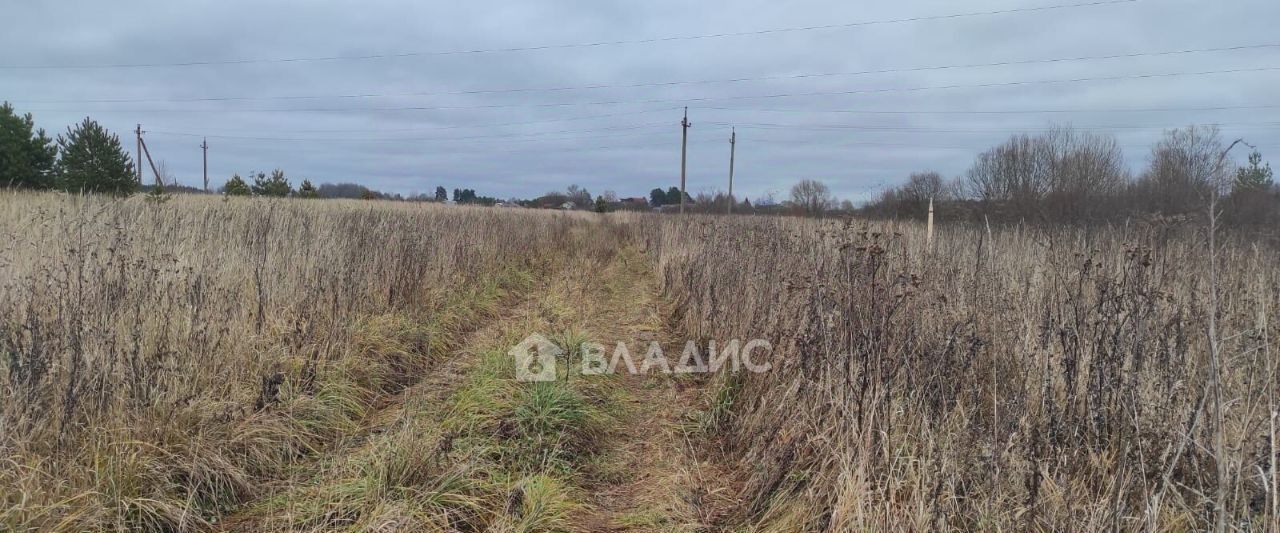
(929, 238)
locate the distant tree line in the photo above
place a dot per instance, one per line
(1068, 176)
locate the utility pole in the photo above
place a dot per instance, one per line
(204, 146)
(684, 151)
(138, 136)
(147, 152)
(733, 142)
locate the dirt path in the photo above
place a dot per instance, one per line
(270, 510)
(468, 447)
(651, 473)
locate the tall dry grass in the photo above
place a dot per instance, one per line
(159, 359)
(1016, 379)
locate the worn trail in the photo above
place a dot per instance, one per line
(469, 447)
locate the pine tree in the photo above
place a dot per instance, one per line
(657, 198)
(441, 194)
(307, 190)
(27, 155)
(276, 185)
(91, 159)
(236, 186)
(673, 196)
(1254, 177)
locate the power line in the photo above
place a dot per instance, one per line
(764, 110)
(505, 137)
(639, 130)
(993, 111)
(702, 98)
(595, 44)
(766, 125)
(665, 83)
(471, 126)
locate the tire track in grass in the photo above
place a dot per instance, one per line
(652, 472)
(447, 364)
(454, 449)
(470, 448)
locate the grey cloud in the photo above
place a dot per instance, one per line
(637, 148)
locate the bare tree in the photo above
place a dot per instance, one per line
(1085, 168)
(710, 202)
(922, 187)
(1059, 173)
(166, 176)
(812, 197)
(1017, 172)
(1183, 166)
(579, 196)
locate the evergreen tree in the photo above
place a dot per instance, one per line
(27, 155)
(91, 159)
(158, 194)
(1254, 177)
(657, 198)
(464, 196)
(236, 186)
(307, 190)
(441, 194)
(276, 185)
(673, 196)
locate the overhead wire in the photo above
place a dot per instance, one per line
(593, 44)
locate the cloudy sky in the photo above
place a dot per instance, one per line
(519, 98)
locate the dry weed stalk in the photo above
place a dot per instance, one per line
(1021, 378)
(156, 359)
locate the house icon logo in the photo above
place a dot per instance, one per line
(535, 359)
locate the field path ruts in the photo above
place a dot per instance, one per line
(646, 469)
(652, 471)
(432, 388)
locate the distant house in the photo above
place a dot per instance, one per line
(634, 204)
(689, 204)
(567, 206)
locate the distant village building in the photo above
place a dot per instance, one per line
(634, 204)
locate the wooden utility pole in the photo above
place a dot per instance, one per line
(204, 146)
(138, 137)
(147, 152)
(684, 150)
(733, 142)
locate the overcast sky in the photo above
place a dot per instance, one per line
(414, 118)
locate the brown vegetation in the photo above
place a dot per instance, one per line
(159, 359)
(1054, 379)
(285, 364)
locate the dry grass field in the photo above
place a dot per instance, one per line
(1067, 380)
(162, 359)
(269, 365)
